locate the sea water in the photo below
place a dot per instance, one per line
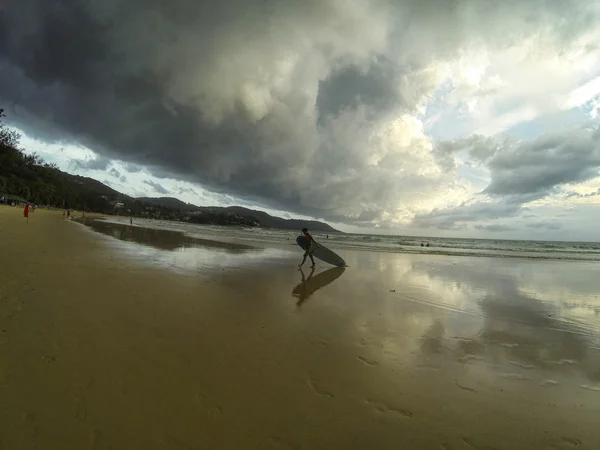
(578, 251)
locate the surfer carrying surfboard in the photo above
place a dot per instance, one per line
(310, 249)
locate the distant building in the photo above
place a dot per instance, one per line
(118, 205)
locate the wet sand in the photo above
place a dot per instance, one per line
(107, 342)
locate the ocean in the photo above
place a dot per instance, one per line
(550, 250)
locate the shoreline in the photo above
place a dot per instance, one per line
(100, 349)
(239, 236)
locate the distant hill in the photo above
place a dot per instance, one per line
(169, 202)
(264, 219)
(28, 178)
(270, 221)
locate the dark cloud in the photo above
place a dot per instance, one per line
(480, 149)
(132, 168)
(297, 105)
(545, 225)
(573, 194)
(187, 191)
(352, 87)
(123, 178)
(456, 218)
(494, 228)
(156, 186)
(114, 172)
(541, 165)
(91, 164)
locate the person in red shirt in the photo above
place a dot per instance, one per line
(311, 248)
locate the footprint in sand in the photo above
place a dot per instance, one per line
(464, 387)
(465, 443)
(508, 345)
(366, 361)
(514, 376)
(590, 388)
(317, 389)
(523, 365)
(563, 362)
(565, 443)
(383, 408)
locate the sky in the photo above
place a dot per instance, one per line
(464, 118)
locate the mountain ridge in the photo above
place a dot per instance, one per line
(265, 219)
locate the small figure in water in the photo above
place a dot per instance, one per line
(327, 236)
(311, 248)
(131, 220)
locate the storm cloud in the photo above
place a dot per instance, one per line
(495, 228)
(91, 164)
(456, 218)
(156, 186)
(545, 163)
(306, 106)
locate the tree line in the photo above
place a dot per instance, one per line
(29, 177)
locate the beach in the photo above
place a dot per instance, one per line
(121, 338)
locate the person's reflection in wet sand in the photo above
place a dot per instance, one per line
(308, 286)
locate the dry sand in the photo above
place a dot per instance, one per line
(108, 344)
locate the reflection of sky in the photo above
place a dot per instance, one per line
(490, 320)
(176, 251)
(486, 322)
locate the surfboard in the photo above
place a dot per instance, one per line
(322, 252)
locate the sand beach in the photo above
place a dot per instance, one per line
(114, 338)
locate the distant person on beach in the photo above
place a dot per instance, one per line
(131, 220)
(311, 248)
